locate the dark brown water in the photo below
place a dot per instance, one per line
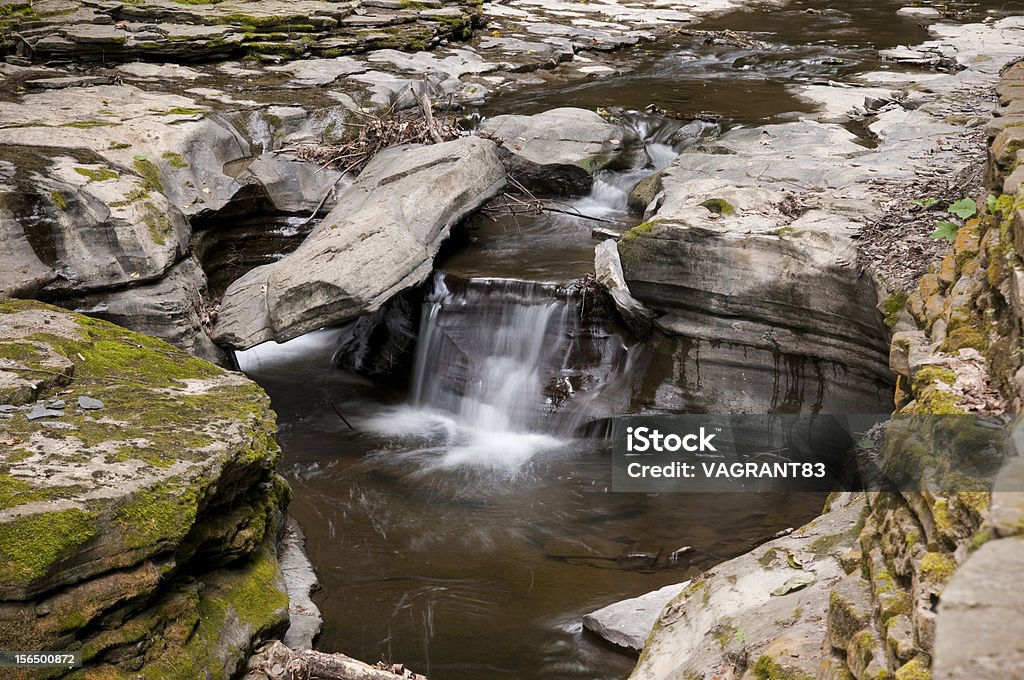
(480, 571)
(472, 553)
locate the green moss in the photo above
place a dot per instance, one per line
(89, 124)
(719, 206)
(768, 668)
(175, 160)
(915, 669)
(32, 545)
(929, 375)
(979, 538)
(181, 111)
(119, 145)
(157, 223)
(594, 163)
(159, 515)
(964, 336)
(149, 173)
(893, 305)
(937, 402)
(641, 229)
(937, 567)
(251, 592)
(131, 197)
(15, 491)
(100, 175)
(58, 199)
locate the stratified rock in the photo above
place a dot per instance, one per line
(558, 151)
(980, 632)
(730, 621)
(379, 240)
(744, 282)
(173, 309)
(143, 533)
(628, 623)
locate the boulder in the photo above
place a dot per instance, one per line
(379, 240)
(749, 274)
(557, 152)
(138, 518)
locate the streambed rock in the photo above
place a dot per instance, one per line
(144, 532)
(380, 240)
(628, 623)
(557, 152)
(742, 617)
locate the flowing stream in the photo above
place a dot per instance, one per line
(460, 524)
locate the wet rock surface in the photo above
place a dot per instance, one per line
(143, 531)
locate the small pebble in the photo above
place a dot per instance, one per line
(56, 404)
(89, 404)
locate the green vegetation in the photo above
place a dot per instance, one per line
(719, 206)
(89, 124)
(768, 668)
(149, 172)
(32, 545)
(58, 199)
(893, 305)
(98, 175)
(175, 160)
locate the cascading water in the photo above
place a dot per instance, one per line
(495, 360)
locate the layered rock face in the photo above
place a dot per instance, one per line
(139, 506)
(167, 30)
(755, 283)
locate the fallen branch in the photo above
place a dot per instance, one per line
(275, 661)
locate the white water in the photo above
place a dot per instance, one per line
(483, 357)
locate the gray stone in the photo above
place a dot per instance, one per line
(628, 623)
(174, 309)
(380, 240)
(38, 412)
(300, 580)
(556, 152)
(980, 630)
(89, 404)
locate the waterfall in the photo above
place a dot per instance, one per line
(483, 351)
(497, 367)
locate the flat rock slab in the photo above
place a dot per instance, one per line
(380, 240)
(628, 623)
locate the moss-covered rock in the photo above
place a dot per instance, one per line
(103, 511)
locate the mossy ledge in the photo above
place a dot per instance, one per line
(142, 533)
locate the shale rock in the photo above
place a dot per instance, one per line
(143, 533)
(741, 616)
(380, 240)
